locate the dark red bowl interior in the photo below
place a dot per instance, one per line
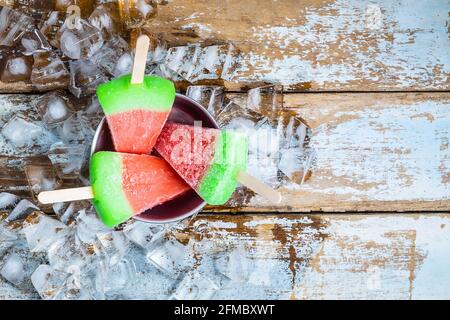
(186, 111)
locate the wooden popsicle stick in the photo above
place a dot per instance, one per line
(65, 195)
(140, 59)
(259, 187)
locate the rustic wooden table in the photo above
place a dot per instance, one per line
(372, 80)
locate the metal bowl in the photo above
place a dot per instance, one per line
(186, 111)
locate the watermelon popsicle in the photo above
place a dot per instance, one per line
(211, 161)
(125, 185)
(136, 113)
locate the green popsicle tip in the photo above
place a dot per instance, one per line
(119, 95)
(230, 157)
(106, 178)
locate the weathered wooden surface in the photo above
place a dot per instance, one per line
(375, 152)
(322, 45)
(315, 257)
(317, 45)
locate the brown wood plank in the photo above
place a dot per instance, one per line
(285, 256)
(317, 45)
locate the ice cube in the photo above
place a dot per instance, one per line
(114, 57)
(33, 42)
(85, 77)
(264, 141)
(18, 265)
(69, 252)
(124, 65)
(291, 164)
(210, 97)
(41, 231)
(120, 276)
(209, 63)
(297, 163)
(195, 286)
(267, 100)
(264, 154)
(234, 264)
(114, 245)
(158, 47)
(26, 135)
(16, 68)
(48, 281)
(73, 129)
(89, 226)
(57, 110)
(235, 117)
(8, 239)
(232, 63)
(293, 131)
(181, 60)
(54, 107)
(20, 132)
(91, 115)
(8, 200)
(51, 23)
(67, 212)
(80, 41)
(13, 269)
(67, 159)
(143, 234)
(84, 283)
(22, 210)
(12, 25)
(194, 62)
(41, 178)
(93, 108)
(49, 72)
(171, 258)
(162, 70)
(265, 169)
(78, 286)
(106, 18)
(134, 13)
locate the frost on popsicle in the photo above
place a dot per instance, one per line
(209, 160)
(146, 105)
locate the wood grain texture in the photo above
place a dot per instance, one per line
(316, 45)
(15, 87)
(312, 257)
(375, 152)
(321, 45)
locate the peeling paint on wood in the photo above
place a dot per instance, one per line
(379, 147)
(314, 257)
(375, 151)
(328, 45)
